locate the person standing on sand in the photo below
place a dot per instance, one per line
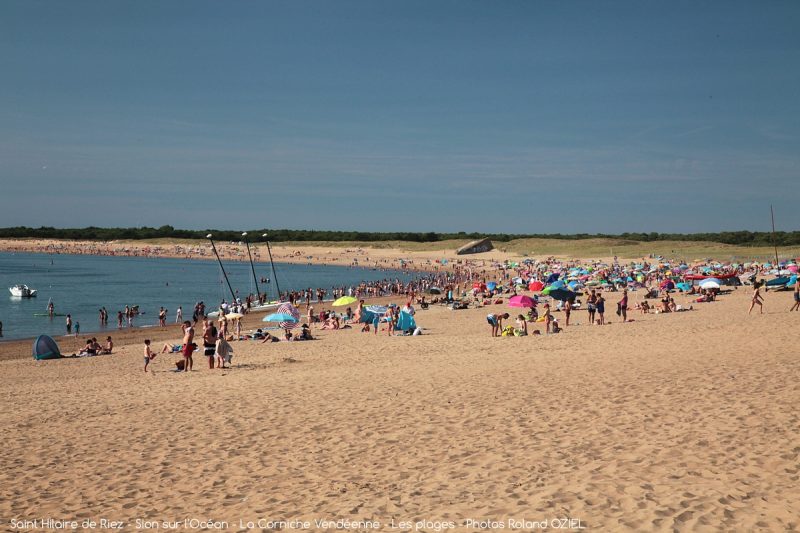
(622, 306)
(149, 355)
(591, 305)
(188, 348)
(757, 299)
(601, 309)
(77, 328)
(795, 307)
(210, 344)
(496, 321)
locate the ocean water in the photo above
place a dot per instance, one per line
(80, 285)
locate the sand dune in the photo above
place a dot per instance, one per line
(682, 421)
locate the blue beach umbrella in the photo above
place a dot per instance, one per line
(279, 317)
(491, 285)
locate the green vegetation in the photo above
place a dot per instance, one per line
(738, 238)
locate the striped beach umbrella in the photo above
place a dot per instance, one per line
(289, 309)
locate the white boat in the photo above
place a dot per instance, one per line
(22, 291)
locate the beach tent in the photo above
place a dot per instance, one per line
(406, 322)
(45, 347)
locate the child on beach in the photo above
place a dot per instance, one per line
(149, 355)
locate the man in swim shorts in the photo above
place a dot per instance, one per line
(188, 345)
(796, 306)
(496, 321)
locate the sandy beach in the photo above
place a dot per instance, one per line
(680, 421)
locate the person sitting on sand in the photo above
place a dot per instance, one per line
(522, 326)
(109, 347)
(645, 307)
(96, 346)
(305, 333)
(496, 322)
(88, 349)
(149, 355)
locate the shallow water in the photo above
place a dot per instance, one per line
(80, 285)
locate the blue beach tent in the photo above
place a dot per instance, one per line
(45, 347)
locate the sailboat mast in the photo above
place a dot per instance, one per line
(774, 243)
(233, 295)
(274, 276)
(252, 268)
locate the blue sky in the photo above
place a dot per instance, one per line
(527, 116)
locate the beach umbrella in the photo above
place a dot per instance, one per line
(792, 268)
(521, 301)
(685, 287)
(562, 294)
(536, 286)
(289, 309)
(667, 285)
(709, 285)
(233, 316)
(434, 290)
(279, 317)
(377, 309)
(491, 285)
(344, 300)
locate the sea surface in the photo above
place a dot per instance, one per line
(80, 285)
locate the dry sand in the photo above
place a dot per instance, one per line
(684, 421)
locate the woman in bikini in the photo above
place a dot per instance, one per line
(757, 299)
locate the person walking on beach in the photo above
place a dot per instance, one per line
(795, 307)
(149, 355)
(179, 315)
(757, 299)
(188, 347)
(69, 324)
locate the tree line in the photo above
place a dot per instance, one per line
(742, 238)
